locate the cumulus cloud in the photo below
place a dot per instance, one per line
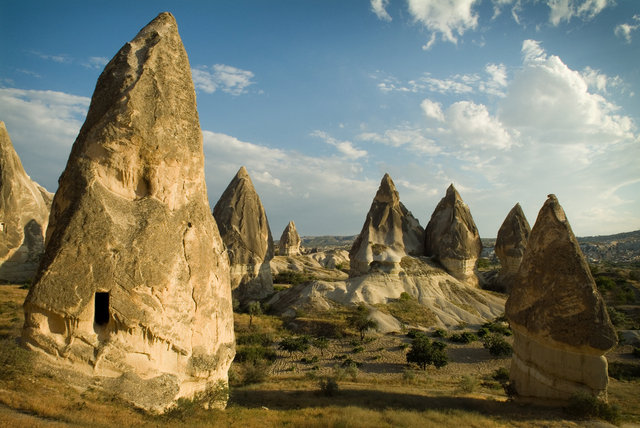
(624, 30)
(432, 109)
(564, 10)
(379, 7)
(447, 18)
(551, 100)
(345, 147)
(413, 139)
(222, 77)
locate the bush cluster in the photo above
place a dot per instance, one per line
(496, 345)
(423, 352)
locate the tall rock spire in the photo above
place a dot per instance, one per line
(510, 245)
(561, 326)
(246, 234)
(24, 215)
(389, 233)
(289, 241)
(451, 237)
(135, 279)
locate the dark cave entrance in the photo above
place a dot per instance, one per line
(101, 314)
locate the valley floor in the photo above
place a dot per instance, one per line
(383, 391)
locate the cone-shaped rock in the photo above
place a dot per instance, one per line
(289, 241)
(246, 234)
(510, 244)
(134, 284)
(390, 232)
(451, 237)
(561, 327)
(24, 215)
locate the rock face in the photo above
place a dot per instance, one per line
(24, 215)
(390, 232)
(561, 326)
(510, 245)
(246, 234)
(134, 284)
(289, 241)
(451, 238)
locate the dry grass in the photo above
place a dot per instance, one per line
(382, 396)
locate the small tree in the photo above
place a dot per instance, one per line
(360, 320)
(254, 308)
(294, 344)
(424, 352)
(321, 343)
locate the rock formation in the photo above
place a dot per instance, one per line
(560, 323)
(510, 245)
(134, 283)
(390, 232)
(24, 215)
(246, 234)
(289, 241)
(451, 238)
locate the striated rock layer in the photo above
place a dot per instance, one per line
(451, 238)
(246, 234)
(510, 245)
(24, 215)
(134, 284)
(389, 233)
(560, 323)
(289, 244)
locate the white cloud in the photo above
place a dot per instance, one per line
(96, 62)
(222, 77)
(334, 189)
(564, 10)
(473, 126)
(344, 147)
(625, 30)
(60, 58)
(448, 18)
(432, 109)
(379, 8)
(413, 139)
(549, 99)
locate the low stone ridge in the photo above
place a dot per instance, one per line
(289, 244)
(389, 233)
(134, 285)
(451, 238)
(510, 245)
(24, 215)
(246, 234)
(561, 326)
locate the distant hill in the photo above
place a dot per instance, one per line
(621, 247)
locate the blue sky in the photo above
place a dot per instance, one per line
(510, 100)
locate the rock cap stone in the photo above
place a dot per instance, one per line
(290, 241)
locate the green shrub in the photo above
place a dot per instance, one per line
(624, 371)
(328, 386)
(617, 318)
(254, 353)
(501, 375)
(467, 384)
(496, 327)
(605, 283)
(440, 333)
(292, 277)
(423, 352)
(311, 360)
(482, 332)
(496, 345)
(254, 338)
(254, 372)
(405, 296)
(294, 344)
(360, 321)
(464, 337)
(584, 405)
(358, 349)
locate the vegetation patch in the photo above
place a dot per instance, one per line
(409, 311)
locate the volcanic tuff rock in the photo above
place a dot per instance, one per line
(389, 233)
(451, 237)
(134, 284)
(246, 234)
(289, 241)
(24, 215)
(511, 243)
(561, 326)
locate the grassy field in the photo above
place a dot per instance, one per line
(375, 386)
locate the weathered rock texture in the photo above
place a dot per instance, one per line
(289, 241)
(451, 238)
(134, 284)
(561, 326)
(510, 245)
(24, 215)
(390, 232)
(246, 234)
